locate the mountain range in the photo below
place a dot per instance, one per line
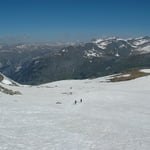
(42, 63)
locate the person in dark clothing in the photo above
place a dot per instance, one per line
(81, 100)
(75, 102)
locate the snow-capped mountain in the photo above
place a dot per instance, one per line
(119, 46)
(114, 46)
(86, 60)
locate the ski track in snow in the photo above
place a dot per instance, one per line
(112, 116)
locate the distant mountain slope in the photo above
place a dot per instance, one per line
(97, 58)
(14, 57)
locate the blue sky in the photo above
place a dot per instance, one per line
(72, 20)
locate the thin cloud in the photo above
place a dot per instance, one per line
(12, 39)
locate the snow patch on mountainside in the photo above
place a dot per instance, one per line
(124, 75)
(144, 50)
(103, 45)
(140, 42)
(122, 46)
(18, 68)
(92, 53)
(117, 55)
(145, 70)
(7, 81)
(98, 41)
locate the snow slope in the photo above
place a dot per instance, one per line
(145, 70)
(7, 81)
(112, 116)
(145, 49)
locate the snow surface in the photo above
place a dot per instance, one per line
(112, 116)
(122, 46)
(104, 44)
(117, 55)
(140, 42)
(124, 75)
(92, 53)
(64, 50)
(5, 81)
(98, 40)
(145, 70)
(18, 68)
(144, 50)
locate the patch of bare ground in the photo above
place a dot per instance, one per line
(129, 75)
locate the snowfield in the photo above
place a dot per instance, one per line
(112, 116)
(145, 70)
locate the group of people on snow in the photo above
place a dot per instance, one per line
(75, 102)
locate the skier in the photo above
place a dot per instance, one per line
(75, 102)
(81, 100)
